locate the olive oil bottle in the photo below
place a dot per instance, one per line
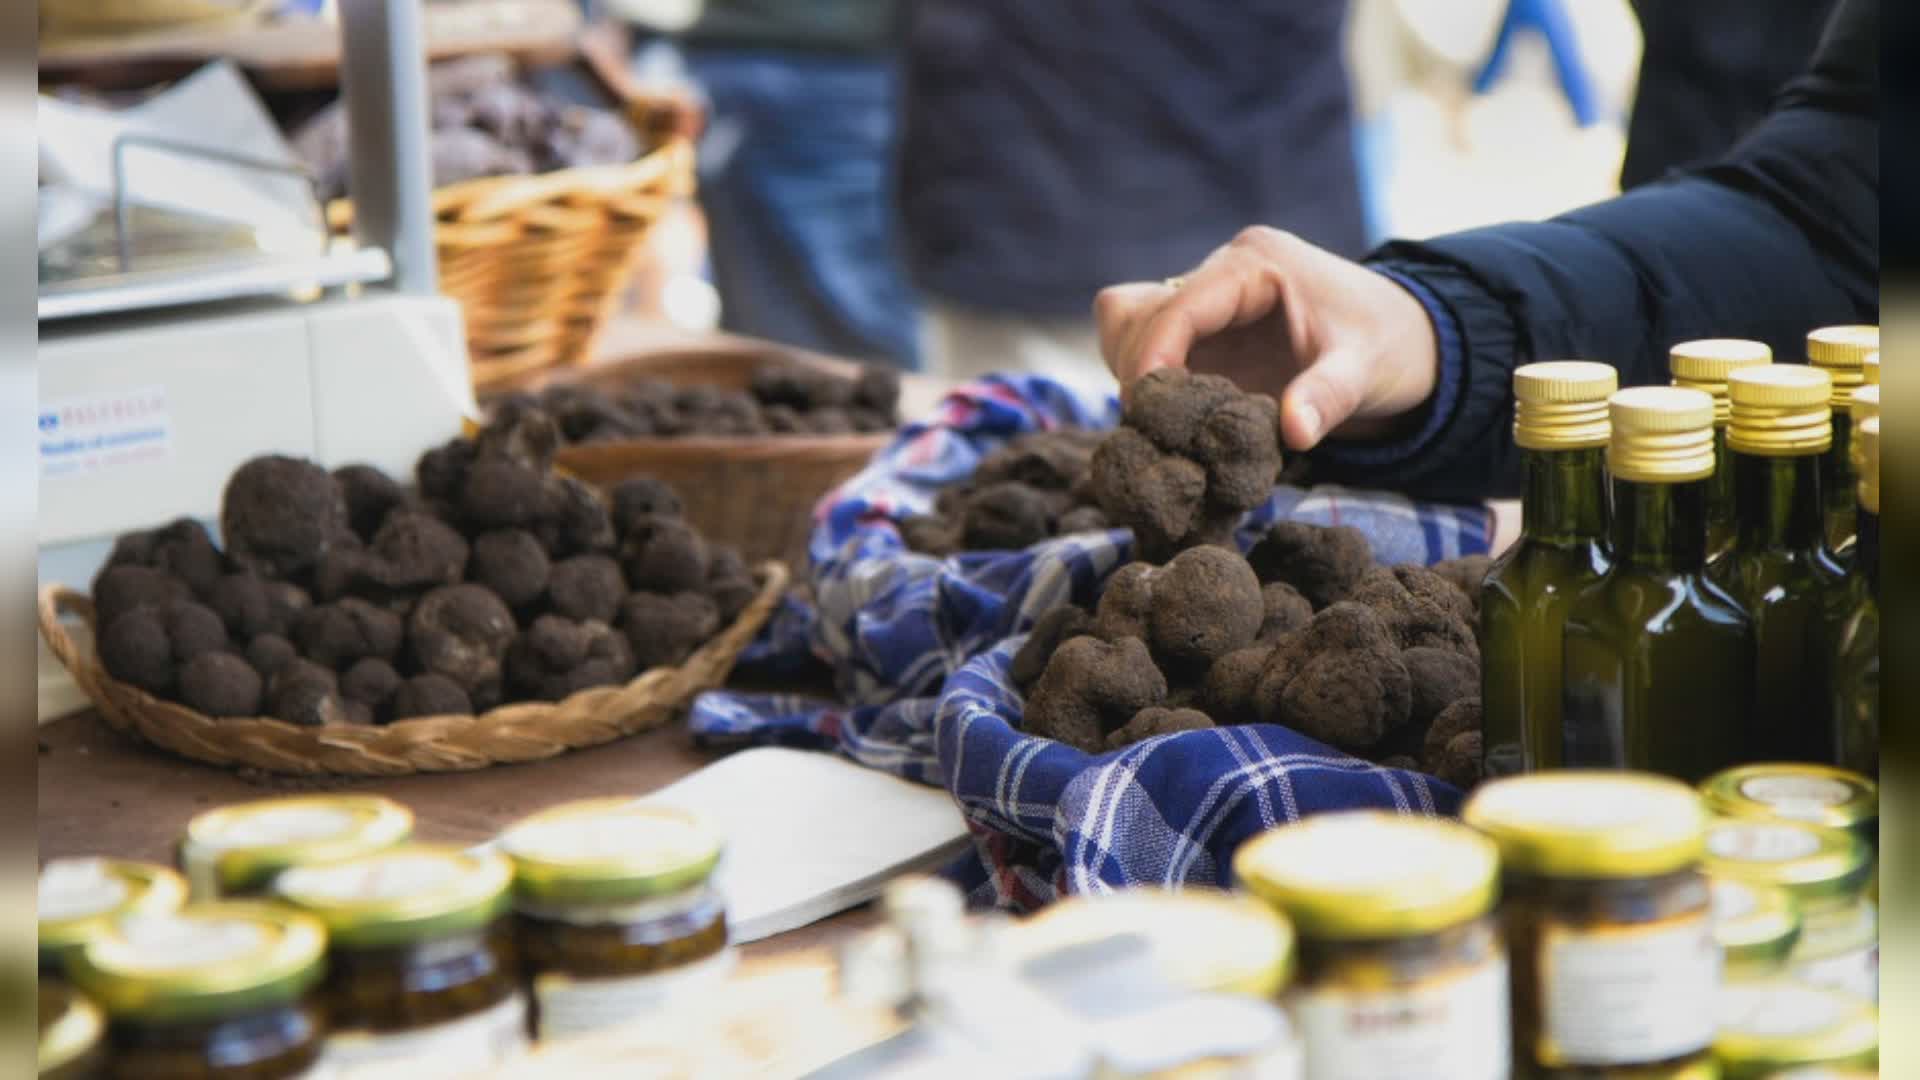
(1778, 568)
(1705, 365)
(1842, 351)
(1658, 669)
(1856, 654)
(1560, 421)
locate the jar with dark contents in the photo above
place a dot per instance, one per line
(70, 1031)
(1401, 970)
(217, 991)
(1608, 919)
(1768, 1029)
(237, 851)
(1826, 872)
(616, 915)
(1757, 927)
(80, 897)
(420, 960)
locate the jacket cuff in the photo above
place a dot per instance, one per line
(1438, 409)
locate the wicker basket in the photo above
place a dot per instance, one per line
(112, 18)
(525, 731)
(756, 493)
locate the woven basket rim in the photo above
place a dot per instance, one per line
(509, 733)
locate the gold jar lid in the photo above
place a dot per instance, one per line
(409, 893)
(1842, 350)
(1661, 434)
(70, 1026)
(1201, 939)
(1867, 440)
(1562, 404)
(1370, 875)
(609, 851)
(1870, 367)
(204, 961)
(241, 847)
(80, 897)
(1776, 1024)
(1578, 823)
(1756, 925)
(1780, 410)
(1820, 867)
(1795, 791)
(1705, 364)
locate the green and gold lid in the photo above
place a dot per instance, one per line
(80, 897)
(1780, 410)
(1705, 365)
(609, 851)
(1795, 791)
(202, 962)
(1368, 875)
(1756, 925)
(70, 1026)
(1819, 867)
(1661, 434)
(1843, 352)
(240, 848)
(405, 894)
(1577, 823)
(1201, 939)
(1771, 1026)
(1562, 404)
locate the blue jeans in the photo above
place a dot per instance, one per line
(796, 180)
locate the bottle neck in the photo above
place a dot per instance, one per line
(1866, 549)
(1660, 526)
(1566, 495)
(1777, 502)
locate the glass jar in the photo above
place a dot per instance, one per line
(1401, 970)
(420, 960)
(1757, 927)
(1791, 791)
(70, 1029)
(1769, 1028)
(80, 897)
(217, 991)
(616, 916)
(1201, 939)
(236, 851)
(1608, 918)
(1826, 871)
(1202, 1037)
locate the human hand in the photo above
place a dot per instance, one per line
(1344, 349)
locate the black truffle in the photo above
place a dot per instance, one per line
(1340, 680)
(370, 493)
(242, 603)
(1227, 692)
(578, 521)
(268, 653)
(430, 695)
(663, 554)
(1284, 611)
(1158, 495)
(193, 629)
(120, 589)
(136, 650)
(1440, 677)
(1419, 607)
(181, 549)
(371, 682)
(556, 657)
(1323, 563)
(730, 583)
(1157, 720)
(220, 684)
(1091, 688)
(930, 534)
(1199, 607)
(520, 431)
(511, 563)
(639, 499)
(441, 473)
(586, 587)
(462, 632)
(665, 629)
(415, 550)
(1457, 719)
(1005, 517)
(502, 494)
(1082, 519)
(279, 515)
(308, 695)
(1467, 573)
(335, 635)
(1048, 632)
(1460, 764)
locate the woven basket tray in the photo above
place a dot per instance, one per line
(756, 493)
(525, 731)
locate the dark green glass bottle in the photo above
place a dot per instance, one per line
(1705, 365)
(1842, 352)
(1778, 568)
(1560, 420)
(1856, 653)
(1659, 660)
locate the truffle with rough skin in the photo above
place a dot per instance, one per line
(370, 494)
(413, 549)
(309, 695)
(441, 473)
(664, 555)
(1049, 460)
(930, 534)
(120, 589)
(730, 584)
(1091, 688)
(136, 650)
(372, 682)
(1467, 573)
(1440, 678)
(181, 549)
(502, 494)
(245, 605)
(1340, 680)
(1126, 604)
(586, 587)
(639, 499)
(1048, 632)
(1005, 517)
(1227, 692)
(1157, 720)
(429, 695)
(193, 629)
(220, 684)
(664, 629)
(1082, 519)
(335, 635)
(279, 515)
(1239, 443)
(521, 431)
(1460, 763)
(511, 563)
(268, 653)
(462, 632)
(556, 657)
(1418, 606)
(1322, 563)
(1456, 719)
(578, 521)
(1199, 607)
(1284, 610)
(1158, 495)
(1170, 405)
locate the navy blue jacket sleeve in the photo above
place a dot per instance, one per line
(1778, 237)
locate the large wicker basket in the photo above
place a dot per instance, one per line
(526, 731)
(756, 493)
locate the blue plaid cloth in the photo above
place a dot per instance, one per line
(920, 648)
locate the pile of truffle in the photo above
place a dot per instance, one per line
(1035, 487)
(1304, 631)
(782, 399)
(484, 123)
(346, 598)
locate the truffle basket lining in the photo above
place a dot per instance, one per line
(521, 731)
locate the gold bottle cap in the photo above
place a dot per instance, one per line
(204, 961)
(405, 894)
(1780, 410)
(1756, 925)
(1870, 367)
(1823, 795)
(1580, 823)
(1777, 1024)
(1842, 350)
(240, 848)
(79, 898)
(1867, 441)
(1368, 874)
(1201, 939)
(1661, 434)
(1562, 404)
(1705, 365)
(1820, 867)
(609, 851)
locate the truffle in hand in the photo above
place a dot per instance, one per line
(1091, 688)
(1340, 680)
(279, 515)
